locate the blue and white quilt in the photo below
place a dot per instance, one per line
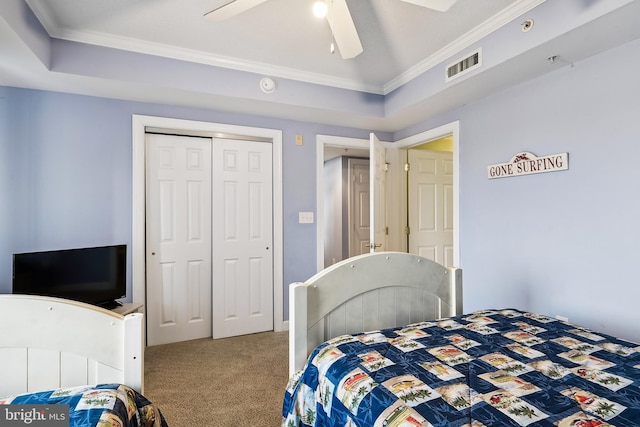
(103, 405)
(488, 368)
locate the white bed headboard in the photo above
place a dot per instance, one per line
(367, 292)
(48, 343)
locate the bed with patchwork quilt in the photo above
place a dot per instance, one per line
(65, 363)
(103, 405)
(500, 367)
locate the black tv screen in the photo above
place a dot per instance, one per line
(92, 275)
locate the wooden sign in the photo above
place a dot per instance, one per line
(526, 163)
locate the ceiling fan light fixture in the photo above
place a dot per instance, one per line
(320, 9)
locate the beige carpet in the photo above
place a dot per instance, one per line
(236, 381)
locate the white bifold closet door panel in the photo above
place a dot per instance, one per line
(178, 228)
(242, 237)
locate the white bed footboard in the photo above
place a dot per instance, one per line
(368, 292)
(47, 343)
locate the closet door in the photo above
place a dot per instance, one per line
(178, 238)
(242, 237)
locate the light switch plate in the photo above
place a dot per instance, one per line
(305, 217)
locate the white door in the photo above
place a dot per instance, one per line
(178, 229)
(377, 194)
(242, 237)
(430, 199)
(359, 204)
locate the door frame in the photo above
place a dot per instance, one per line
(138, 259)
(405, 144)
(321, 141)
(396, 217)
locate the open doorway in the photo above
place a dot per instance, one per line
(346, 202)
(397, 218)
(336, 151)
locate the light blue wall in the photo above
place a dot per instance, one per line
(560, 243)
(66, 174)
(564, 242)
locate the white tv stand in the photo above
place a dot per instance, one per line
(127, 308)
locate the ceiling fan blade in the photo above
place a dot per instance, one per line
(231, 9)
(343, 29)
(439, 5)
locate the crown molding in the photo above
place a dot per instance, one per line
(195, 56)
(178, 53)
(173, 52)
(464, 42)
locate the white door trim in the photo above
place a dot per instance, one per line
(139, 123)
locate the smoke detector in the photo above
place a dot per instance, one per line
(267, 85)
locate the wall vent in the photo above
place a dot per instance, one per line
(464, 65)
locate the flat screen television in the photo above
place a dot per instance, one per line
(93, 275)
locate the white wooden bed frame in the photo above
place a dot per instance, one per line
(48, 343)
(368, 292)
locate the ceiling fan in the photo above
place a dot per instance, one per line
(337, 14)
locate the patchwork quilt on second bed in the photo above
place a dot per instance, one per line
(488, 368)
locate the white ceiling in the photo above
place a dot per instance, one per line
(282, 39)
(277, 37)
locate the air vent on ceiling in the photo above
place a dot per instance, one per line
(464, 65)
